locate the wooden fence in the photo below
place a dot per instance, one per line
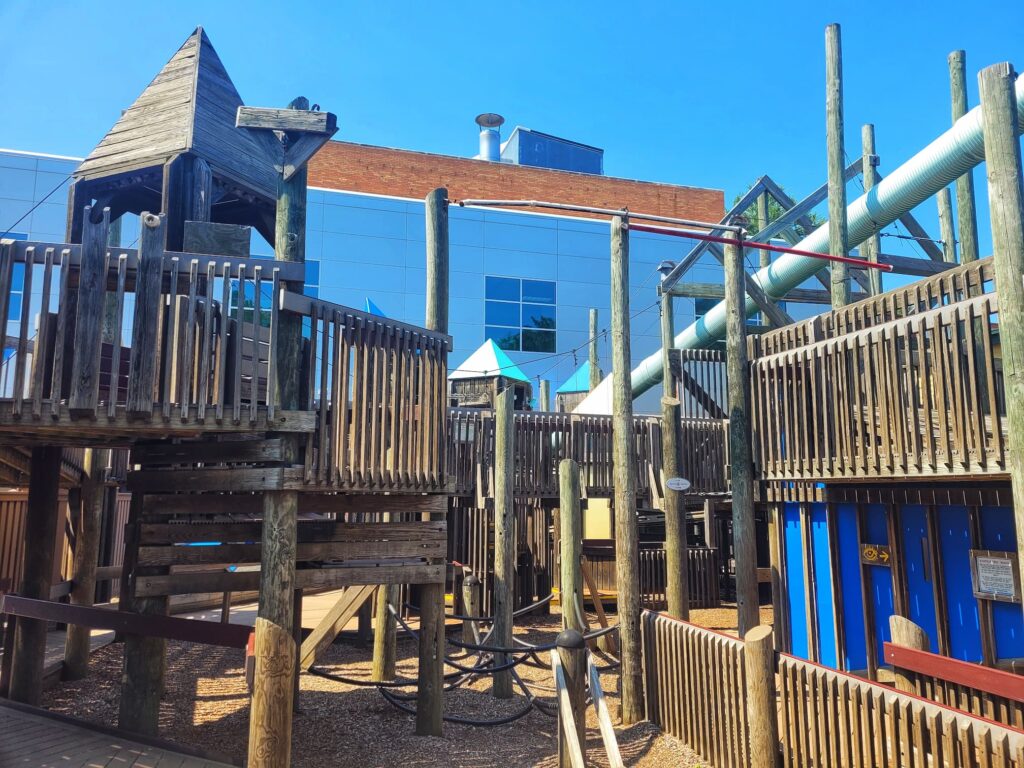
(903, 385)
(695, 688)
(695, 684)
(702, 572)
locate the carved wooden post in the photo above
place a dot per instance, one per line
(837, 240)
(301, 133)
(1006, 201)
(627, 549)
(37, 575)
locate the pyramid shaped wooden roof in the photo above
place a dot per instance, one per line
(190, 106)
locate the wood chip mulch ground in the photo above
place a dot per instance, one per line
(205, 705)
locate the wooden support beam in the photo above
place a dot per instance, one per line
(146, 319)
(385, 634)
(740, 444)
(837, 237)
(1006, 208)
(545, 395)
(571, 545)
(944, 200)
(77, 644)
(592, 356)
(341, 613)
(906, 633)
(275, 669)
(871, 247)
(187, 195)
(677, 568)
(40, 538)
(627, 553)
(572, 655)
(142, 678)
(436, 205)
(966, 210)
(504, 537)
(217, 239)
(775, 313)
(764, 257)
(92, 284)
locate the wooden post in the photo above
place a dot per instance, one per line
(906, 633)
(471, 606)
(677, 584)
(836, 165)
(571, 545)
(37, 575)
(364, 624)
(504, 538)
(765, 257)
(270, 720)
(966, 212)
(297, 637)
(545, 395)
(430, 690)
(595, 361)
(572, 652)
(710, 529)
(83, 570)
(92, 287)
(759, 660)
(945, 203)
(1006, 203)
(870, 248)
(384, 634)
(740, 444)
(627, 549)
(187, 196)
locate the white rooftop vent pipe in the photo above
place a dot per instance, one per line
(490, 136)
(936, 166)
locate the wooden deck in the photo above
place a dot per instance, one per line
(35, 739)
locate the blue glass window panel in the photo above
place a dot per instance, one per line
(17, 184)
(14, 308)
(503, 288)
(538, 341)
(312, 273)
(312, 290)
(501, 313)
(506, 338)
(14, 236)
(538, 316)
(539, 291)
(539, 235)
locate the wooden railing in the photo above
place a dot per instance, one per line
(916, 392)
(696, 690)
(695, 683)
(702, 573)
(121, 338)
(377, 387)
(983, 691)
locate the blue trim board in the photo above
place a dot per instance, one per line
(796, 595)
(920, 581)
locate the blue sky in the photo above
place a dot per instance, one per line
(708, 94)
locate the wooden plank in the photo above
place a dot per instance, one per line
(346, 607)
(348, 551)
(170, 628)
(217, 239)
(145, 325)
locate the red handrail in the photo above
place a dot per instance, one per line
(986, 679)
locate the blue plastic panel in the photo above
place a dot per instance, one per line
(828, 648)
(879, 576)
(920, 582)
(795, 593)
(850, 586)
(961, 606)
(997, 533)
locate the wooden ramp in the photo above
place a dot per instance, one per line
(37, 739)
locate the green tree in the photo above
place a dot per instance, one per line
(775, 210)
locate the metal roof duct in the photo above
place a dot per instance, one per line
(939, 164)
